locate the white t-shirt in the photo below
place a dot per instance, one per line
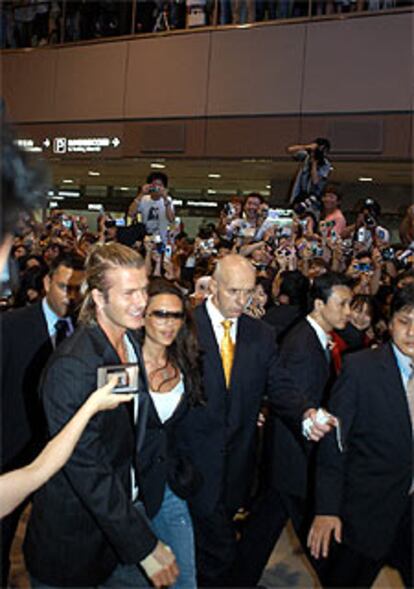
(154, 215)
(166, 403)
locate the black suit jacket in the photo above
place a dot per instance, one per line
(282, 318)
(290, 460)
(160, 462)
(83, 522)
(25, 349)
(220, 437)
(367, 485)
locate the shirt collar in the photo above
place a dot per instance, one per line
(52, 319)
(404, 362)
(215, 315)
(323, 337)
(50, 316)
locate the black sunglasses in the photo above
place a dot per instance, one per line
(161, 314)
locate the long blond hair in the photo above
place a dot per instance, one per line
(101, 259)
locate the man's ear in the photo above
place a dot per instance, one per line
(98, 298)
(5, 248)
(318, 305)
(212, 287)
(46, 283)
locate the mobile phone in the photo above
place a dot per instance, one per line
(67, 223)
(168, 251)
(127, 375)
(363, 267)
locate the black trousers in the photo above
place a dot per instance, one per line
(346, 567)
(269, 515)
(216, 547)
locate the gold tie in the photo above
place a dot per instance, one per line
(227, 351)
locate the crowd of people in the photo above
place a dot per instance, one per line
(33, 23)
(262, 371)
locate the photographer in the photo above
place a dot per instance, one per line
(245, 226)
(313, 173)
(154, 205)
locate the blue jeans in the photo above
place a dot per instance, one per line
(173, 526)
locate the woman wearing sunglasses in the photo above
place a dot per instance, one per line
(171, 360)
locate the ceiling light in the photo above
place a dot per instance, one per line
(71, 194)
(124, 188)
(95, 207)
(211, 191)
(201, 203)
(92, 173)
(365, 179)
(214, 175)
(67, 181)
(53, 205)
(177, 202)
(57, 197)
(268, 186)
(157, 166)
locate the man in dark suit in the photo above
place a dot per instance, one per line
(365, 481)
(241, 365)
(288, 464)
(29, 336)
(292, 303)
(86, 526)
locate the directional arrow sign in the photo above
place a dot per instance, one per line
(116, 141)
(46, 142)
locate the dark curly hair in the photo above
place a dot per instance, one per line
(184, 352)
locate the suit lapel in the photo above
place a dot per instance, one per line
(143, 396)
(209, 346)
(395, 391)
(241, 352)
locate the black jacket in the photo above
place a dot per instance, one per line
(367, 485)
(220, 438)
(25, 349)
(290, 460)
(83, 522)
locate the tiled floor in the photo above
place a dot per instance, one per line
(287, 566)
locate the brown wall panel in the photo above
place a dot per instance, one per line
(90, 82)
(256, 71)
(359, 64)
(194, 133)
(396, 132)
(265, 137)
(28, 82)
(167, 77)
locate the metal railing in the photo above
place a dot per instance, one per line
(32, 23)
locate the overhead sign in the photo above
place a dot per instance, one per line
(62, 145)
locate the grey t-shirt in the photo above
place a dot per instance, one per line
(154, 215)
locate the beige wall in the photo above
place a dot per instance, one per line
(229, 93)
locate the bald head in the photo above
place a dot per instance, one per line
(232, 285)
(232, 264)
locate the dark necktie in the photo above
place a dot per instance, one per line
(62, 331)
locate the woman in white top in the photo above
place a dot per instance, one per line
(171, 360)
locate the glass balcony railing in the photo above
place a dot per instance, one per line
(35, 23)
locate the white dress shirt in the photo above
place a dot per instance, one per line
(217, 319)
(323, 337)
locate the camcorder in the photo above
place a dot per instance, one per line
(154, 188)
(229, 209)
(127, 375)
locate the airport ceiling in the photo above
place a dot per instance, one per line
(215, 178)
